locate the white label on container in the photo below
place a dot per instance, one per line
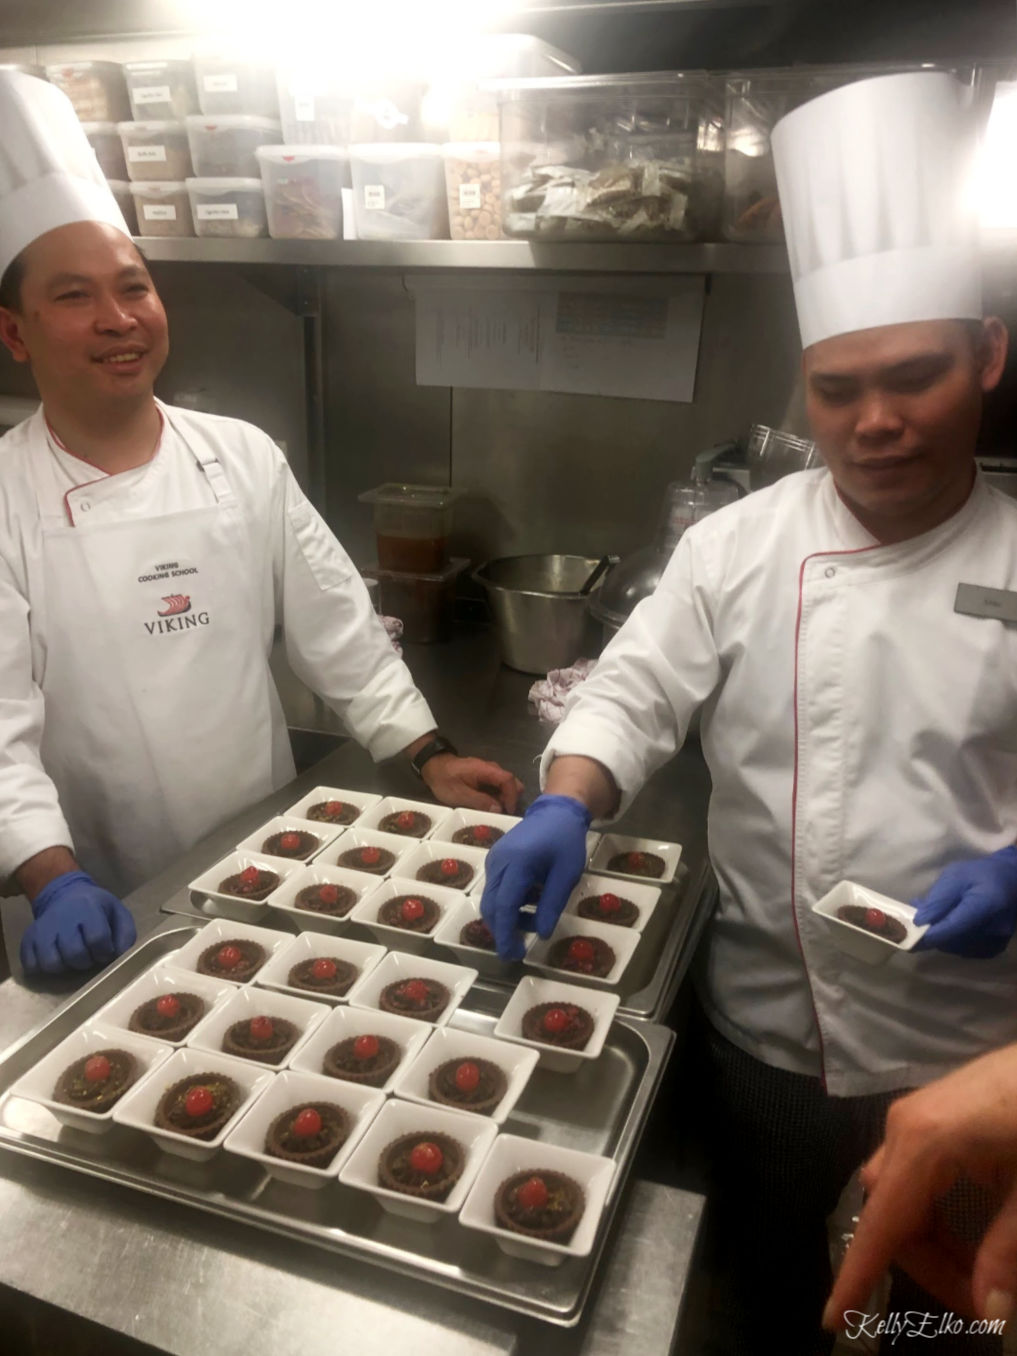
(151, 94)
(216, 211)
(220, 84)
(303, 107)
(158, 211)
(137, 154)
(374, 197)
(470, 196)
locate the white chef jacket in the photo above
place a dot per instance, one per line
(303, 579)
(856, 727)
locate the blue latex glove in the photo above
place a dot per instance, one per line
(78, 925)
(972, 907)
(547, 849)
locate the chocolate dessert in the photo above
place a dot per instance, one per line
(564, 1024)
(411, 823)
(323, 974)
(582, 956)
(478, 835)
(412, 913)
(235, 959)
(265, 1039)
(477, 934)
(638, 864)
(96, 1081)
(333, 812)
(875, 921)
(376, 860)
(251, 883)
(297, 843)
(170, 1016)
(367, 1059)
(447, 871)
(471, 1084)
(426, 1166)
(540, 1204)
(335, 901)
(424, 999)
(608, 908)
(310, 1134)
(198, 1105)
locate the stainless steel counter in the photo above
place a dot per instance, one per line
(158, 1273)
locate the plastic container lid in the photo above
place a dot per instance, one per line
(108, 66)
(152, 128)
(411, 496)
(692, 84)
(231, 122)
(160, 189)
(391, 152)
(471, 150)
(285, 155)
(223, 185)
(162, 64)
(99, 129)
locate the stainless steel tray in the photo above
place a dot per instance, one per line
(651, 979)
(601, 1109)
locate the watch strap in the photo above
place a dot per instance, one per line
(439, 744)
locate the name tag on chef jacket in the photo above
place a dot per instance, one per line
(977, 600)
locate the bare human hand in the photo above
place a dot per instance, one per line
(473, 783)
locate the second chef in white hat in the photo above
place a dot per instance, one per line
(147, 555)
(858, 715)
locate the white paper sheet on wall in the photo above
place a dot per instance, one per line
(638, 338)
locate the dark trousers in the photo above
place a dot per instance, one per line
(781, 1152)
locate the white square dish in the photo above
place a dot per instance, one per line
(511, 1154)
(206, 886)
(137, 1108)
(592, 843)
(471, 819)
(485, 961)
(530, 992)
(858, 941)
(644, 897)
(362, 883)
(39, 1083)
(361, 800)
(161, 980)
(311, 946)
(325, 834)
(287, 1090)
(424, 854)
(252, 1001)
(448, 1043)
(399, 967)
(221, 931)
(345, 1023)
(356, 838)
(402, 939)
(622, 941)
(612, 844)
(395, 1119)
(394, 805)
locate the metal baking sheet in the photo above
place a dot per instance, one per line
(600, 1109)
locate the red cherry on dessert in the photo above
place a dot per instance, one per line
(412, 909)
(307, 1123)
(875, 918)
(249, 875)
(426, 1157)
(555, 1020)
(323, 968)
(334, 808)
(406, 819)
(481, 832)
(365, 1047)
(97, 1069)
(636, 861)
(609, 903)
(289, 842)
(532, 1195)
(262, 1029)
(328, 894)
(199, 1101)
(449, 866)
(168, 1005)
(415, 991)
(370, 856)
(467, 1076)
(581, 950)
(229, 957)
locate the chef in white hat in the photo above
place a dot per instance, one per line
(850, 638)
(146, 556)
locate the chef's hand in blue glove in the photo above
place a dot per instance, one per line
(547, 849)
(972, 907)
(78, 925)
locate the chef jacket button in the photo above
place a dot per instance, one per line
(830, 571)
(84, 506)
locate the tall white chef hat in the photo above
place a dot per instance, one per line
(49, 175)
(874, 183)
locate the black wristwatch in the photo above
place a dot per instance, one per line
(439, 744)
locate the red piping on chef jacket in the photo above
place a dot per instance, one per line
(816, 555)
(77, 457)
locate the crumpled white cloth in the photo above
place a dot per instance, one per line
(548, 694)
(394, 627)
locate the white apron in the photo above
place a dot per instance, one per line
(162, 719)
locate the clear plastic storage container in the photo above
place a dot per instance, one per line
(104, 139)
(155, 150)
(473, 185)
(96, 89)
(424, 603)
(163, 209)
(161, 90)
(304, 191)
(412, 524)
(121, 190)
(315, 106)
(228, 84)
(399, 192)
(228, 207)
(628, 157)
(472, 113)
(394, 110)
(227, 147)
